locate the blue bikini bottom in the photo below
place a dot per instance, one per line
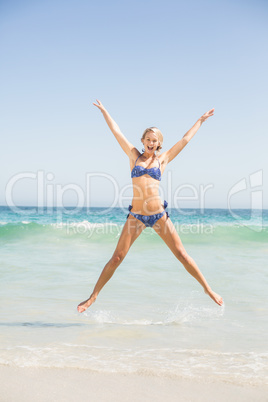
(149, 220)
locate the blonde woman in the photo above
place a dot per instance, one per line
(146, 209)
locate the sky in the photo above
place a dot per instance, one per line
(151, 63)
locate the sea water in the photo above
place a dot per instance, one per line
(152, 316)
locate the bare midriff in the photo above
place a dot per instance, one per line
(146, 199)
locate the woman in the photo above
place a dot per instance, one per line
(146, 208)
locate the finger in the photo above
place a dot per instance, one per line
(209, 113)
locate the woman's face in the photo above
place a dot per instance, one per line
(150, 142)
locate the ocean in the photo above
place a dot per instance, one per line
(152, 316)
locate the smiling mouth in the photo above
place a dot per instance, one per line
(150, 148)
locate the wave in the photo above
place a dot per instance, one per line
(233, 367)
(108, 231)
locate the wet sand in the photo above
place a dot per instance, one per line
(67, 385)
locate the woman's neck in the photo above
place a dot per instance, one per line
(147, 155)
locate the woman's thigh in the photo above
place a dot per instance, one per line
(130, 232)
(166, 230)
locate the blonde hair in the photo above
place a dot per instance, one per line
(157, 132)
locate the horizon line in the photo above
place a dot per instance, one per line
(88, 207)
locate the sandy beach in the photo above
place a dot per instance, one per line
(43, 385)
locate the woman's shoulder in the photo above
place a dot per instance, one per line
(134, 154)
(162, 158)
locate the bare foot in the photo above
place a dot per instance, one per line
(85, 304)
(214, 296)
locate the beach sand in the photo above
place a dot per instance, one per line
(67, 385)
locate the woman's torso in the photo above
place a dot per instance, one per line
(146, 199)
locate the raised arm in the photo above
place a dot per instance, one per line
(123, 142)
(178, 147)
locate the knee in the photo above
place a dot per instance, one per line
(118, 257)
(182, 255)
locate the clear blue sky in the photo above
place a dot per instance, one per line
(150, 63)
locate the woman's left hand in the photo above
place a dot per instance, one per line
(207, 115)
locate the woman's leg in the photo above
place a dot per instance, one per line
(166, 230)
(131, 231)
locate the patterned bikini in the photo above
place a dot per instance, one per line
(155, 173)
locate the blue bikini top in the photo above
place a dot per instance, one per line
(154, 172)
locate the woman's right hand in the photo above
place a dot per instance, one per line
(99, 105)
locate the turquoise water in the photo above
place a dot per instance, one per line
(152, 316)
